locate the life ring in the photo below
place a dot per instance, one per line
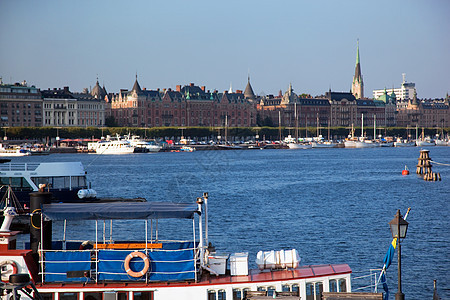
(130, 257)
(5, 275)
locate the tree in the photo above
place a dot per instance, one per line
(111, 122)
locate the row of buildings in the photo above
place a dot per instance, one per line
(192, 105)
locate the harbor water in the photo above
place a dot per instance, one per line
(332, 205)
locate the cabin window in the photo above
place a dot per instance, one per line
(58, 182)
(47, 296)
(142, 296)
(270, 291)
(92, 296)
(314, 290)
(285, 288)
(40, 180)
(79, 181)
(18, 183)
(68, 296)
(342, 285)
(211, 295)
(261, 288)
(333, 285)
(295, 288)
(217, 295)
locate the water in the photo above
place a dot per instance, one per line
(333, 205)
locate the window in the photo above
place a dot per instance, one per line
(314, 290)
(68, 296)
(140, 296)
(342, 285)
(333, 285)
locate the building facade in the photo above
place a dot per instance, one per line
(189, 105)
(20, 105)
(62, 108)
(425, 113)
(403, 94)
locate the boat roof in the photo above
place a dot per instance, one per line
(45, 168)
(119, 210)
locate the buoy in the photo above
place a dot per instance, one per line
(405, 171)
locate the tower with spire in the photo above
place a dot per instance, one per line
(358, 84)
(248, 92)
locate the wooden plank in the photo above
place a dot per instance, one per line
(129, 246)
(351, 296)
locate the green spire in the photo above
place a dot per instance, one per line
(357, 52)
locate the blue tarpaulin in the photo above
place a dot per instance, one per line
(164, 265)
(57, 264)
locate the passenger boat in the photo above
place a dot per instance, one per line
(13, 151)
(150, 268)
(141, 145)
(111, 145)
(66, 180)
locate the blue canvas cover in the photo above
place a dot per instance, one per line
(172, 265)
(119, 210)
(57, 264)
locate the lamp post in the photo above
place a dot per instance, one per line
(398, 229)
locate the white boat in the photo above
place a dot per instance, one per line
(325, 144)
(366, 144)
(141, 145)
(63, 179)
(299, 145)
(425, 142)
(440, 142)
(154, 269)
(13, 151)
(387, 144)
(404, 143)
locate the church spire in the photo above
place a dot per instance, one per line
(358, 85)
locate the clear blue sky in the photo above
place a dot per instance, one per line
(214, 43)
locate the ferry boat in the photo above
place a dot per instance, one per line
(141, 145)
(103, 268)
(13, 151)
(66, 180)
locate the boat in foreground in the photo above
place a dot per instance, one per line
(149, 268)
(66, 180)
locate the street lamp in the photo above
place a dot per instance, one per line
(398, 229)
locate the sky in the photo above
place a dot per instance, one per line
(311, 44)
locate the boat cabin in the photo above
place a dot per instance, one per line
(63, 179)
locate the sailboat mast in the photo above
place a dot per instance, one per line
(374, 127)
(362, 125)
(296, 122)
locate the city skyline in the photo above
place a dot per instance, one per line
(311, 45)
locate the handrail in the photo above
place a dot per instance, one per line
(19, 166)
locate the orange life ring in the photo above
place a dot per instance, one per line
(6, 273)
(130, 257)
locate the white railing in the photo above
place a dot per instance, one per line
(19, 166)
(366, 281)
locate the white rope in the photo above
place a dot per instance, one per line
(435, 162)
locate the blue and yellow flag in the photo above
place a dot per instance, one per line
(390, 253)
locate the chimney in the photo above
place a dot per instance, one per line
(144, 89)
(238, 92)
(191, 84)
(157, 89)
(203, 88)
(169, 89)
(178, 88)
